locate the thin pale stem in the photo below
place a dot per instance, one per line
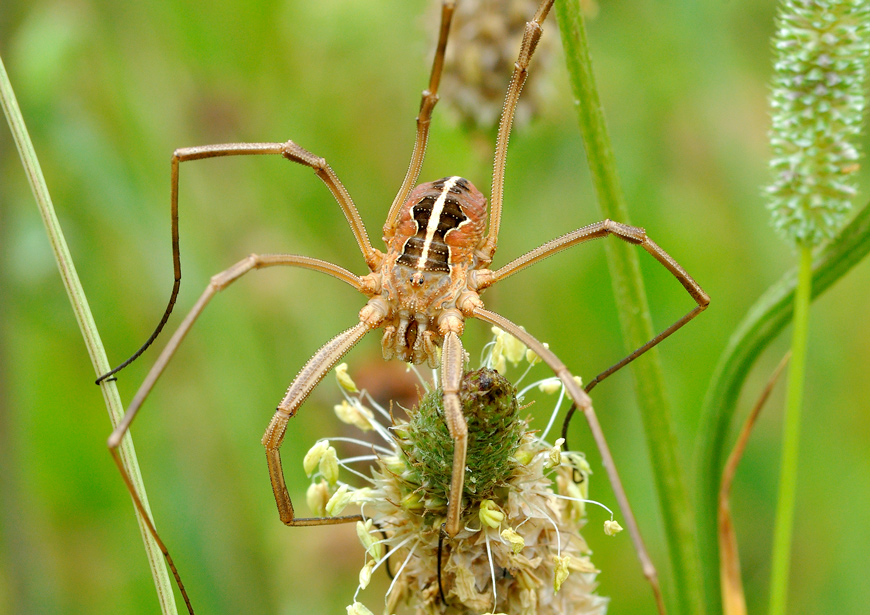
(88, 328)
(635, 319)
(784, 521)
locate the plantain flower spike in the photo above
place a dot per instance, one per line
(482, 51)
(519, 550)
(817, 104)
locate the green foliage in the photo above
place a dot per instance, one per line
(109, 89)
(818, 106)
(637, 328)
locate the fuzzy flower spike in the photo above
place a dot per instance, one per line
(817, 103)
(520, 550)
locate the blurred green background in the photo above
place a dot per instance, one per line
(109, 89)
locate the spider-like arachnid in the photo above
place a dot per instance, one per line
(439, 247)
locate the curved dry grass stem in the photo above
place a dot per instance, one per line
(733, 598)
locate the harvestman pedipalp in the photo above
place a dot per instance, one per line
(420, 291)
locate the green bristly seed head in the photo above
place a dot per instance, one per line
(522, 506)
(821, 48)
(490, 407)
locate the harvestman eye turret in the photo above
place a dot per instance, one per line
(440, 243)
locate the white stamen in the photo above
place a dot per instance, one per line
(568, 497)
(491, 572)
(380, 449)
(399, 572)
(543, 436)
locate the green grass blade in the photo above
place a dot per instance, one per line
(762, 323)
(86, 324)
(635, 320)
(791, 437)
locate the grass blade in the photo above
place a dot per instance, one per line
(88, 327)
(635, 319)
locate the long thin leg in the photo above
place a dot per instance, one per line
(630, 234)
(581, 399)
(218, 283)
(310, 375)
(149, 523)
(293, 152)
(452, 364)
(289, 150)
(424, 118)
(531, 37)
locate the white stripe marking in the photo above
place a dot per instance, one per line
(434, 219)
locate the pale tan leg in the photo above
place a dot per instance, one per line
(308, 378)
(289, 150)
(530, 41)
(581, 399)
(452, 366)
(630, 234)
(424, 118)
(217, 283)
(293, 152)
(149, 523)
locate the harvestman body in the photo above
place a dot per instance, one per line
(421, 291)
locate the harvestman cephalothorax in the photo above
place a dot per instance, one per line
(440, 241)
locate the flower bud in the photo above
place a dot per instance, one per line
(561, 571)
(338, 501)
(514, 539)
(329, 465)
(612, 528)
(313, 456)
(354, 414)
(490, 514)
(317, 496)
(555, 455)
(344, 379)
(532, 356)
(358, 608)
(514, 349)
(369, 542)
(550, 385)
(365, 574)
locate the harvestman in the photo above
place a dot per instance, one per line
(420, 291)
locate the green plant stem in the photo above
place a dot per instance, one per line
(784, 521)
(636, 323)
(87, 325)
(762, 323)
